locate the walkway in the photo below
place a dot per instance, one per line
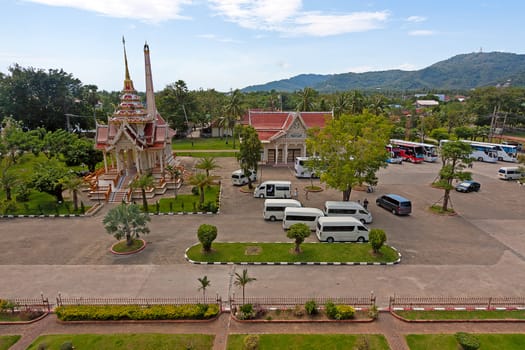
(393, 329)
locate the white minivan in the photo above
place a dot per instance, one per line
(341, 229)
(273, 189)
(274, 208)
(353, 209)
(306, 216)
(240, 179)
(510, 173)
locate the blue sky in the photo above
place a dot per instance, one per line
(229, 44)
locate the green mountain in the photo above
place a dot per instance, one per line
(460, 72)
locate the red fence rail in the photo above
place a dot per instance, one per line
(450, 302)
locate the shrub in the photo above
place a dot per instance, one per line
(377, 238)
(246, 312)
(42, 346)
(311, 307)
(467, 341)
(208, 207)
(362, 343)
(251, 342)
(22, 193)
(195, 191)
(339, 312)
(67, 346)
(330, 309)
(298, 311)
(373, 312)
(207, 234)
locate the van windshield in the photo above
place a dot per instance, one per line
(405, 204)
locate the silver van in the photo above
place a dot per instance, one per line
(510, 173)
(307, 216)
(341, 229)
(353, 209)
(240, 179)
(273, 189)
(274, 208)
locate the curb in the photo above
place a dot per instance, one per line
(44, 315)
(323, 263)
(491, 320)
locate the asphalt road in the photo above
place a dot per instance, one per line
(481, 251)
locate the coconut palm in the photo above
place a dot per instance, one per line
(8, 178)
(243, 280)
(126, 220)
(72, 184)
(143, 182)
(175, 174)
(207, 164)
(201, 180)
(306, 97)
(205, 283)
(233, 112)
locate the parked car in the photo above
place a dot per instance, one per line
(468, 186)
(397, 204)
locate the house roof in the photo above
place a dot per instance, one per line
(270, 125)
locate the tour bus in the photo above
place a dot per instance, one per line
(395, 155)
(302, 169)
(480, 152)
(353, 209)
(510, 173)
(274, 208)
(409, 151)
(306, 216)
(273, 189)
(505, 153)
(341, 229)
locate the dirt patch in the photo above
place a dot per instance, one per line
(253, 250)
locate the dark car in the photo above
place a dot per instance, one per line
(395, 203)
(468, 186)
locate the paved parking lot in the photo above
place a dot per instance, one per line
(481, 251)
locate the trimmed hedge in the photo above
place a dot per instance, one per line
(467, 341)
(136, 312)
(339, 312)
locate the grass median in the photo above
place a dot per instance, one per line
(283, 252)
(448, 341)
(462, 315)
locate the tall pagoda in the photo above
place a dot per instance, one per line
(136, 139)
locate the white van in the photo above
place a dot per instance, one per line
(240, 179)
(341, 229)
(306, 216)
(273, 189)
(274, 208)
(510, 173)
(353, 209)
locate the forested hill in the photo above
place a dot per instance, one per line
(460, 72)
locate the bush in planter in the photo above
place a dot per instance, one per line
(251, 342)
(373, 312)
(195, 191)
(311, 307)
(339, 312)
(246, 312)
(298, 311)
(467, 341)
(206, 235)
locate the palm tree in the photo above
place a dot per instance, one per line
(207, 164)
(243, 280)
(175, 174)
(205, 283)
(8, 178)
(233, 112)
(143, 182)
(340, 105)
(306, 102)
(201, 180)
(126, 221)
(356, 102)
(72, 184)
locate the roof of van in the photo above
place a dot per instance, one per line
(303, 210)
(344, 204)
(281, 201)
(282, 182)
(338, 219)
(398, 197)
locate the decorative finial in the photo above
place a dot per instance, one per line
(146, 46)
(125, 58)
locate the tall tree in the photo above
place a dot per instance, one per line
(249, 151)
(201, 180)
(205, 283)
(351, 150)
(126, 220)
(72, 183)
(306, 99)
(298, 232)
(47, 177)
(455, 156)
(242, 280)
(144, 182)
(207, 164)
(8, 177)
(233, 112)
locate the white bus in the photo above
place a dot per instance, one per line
(274, 208)
(482, 152)
(302, 169)
(341, 229)
(306, 216)
(505, 153)
(414, 151)
(273, 189)
(353, 209)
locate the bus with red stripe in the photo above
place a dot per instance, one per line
(409, 151)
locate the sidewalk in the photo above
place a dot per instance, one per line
(393, 329)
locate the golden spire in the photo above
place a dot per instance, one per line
(128, 83)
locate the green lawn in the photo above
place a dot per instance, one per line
(146, 341)
(448, 341)
(184, 202)
(41, 203)
(283, 252)
(7, 340)
(462, 315)
(219, 154)
(309, 341)
(211, 143)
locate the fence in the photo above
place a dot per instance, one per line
(488, 303)
(34, 304)
(284, 302)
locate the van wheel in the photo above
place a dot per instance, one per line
(394, 211)
(363, 221)
(272, 218)
(361, 239)
(500, 159)
(261, 196)
(480, 159)
(330, 240)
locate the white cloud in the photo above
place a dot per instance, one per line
(287, 18)
(153, 11)
(416, 19)
(365, 68)
(421, 33)
(218, 38)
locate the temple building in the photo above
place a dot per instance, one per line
(136, 140)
